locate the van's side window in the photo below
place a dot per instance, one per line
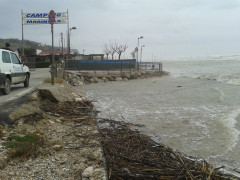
(15, 60)
(6, 57)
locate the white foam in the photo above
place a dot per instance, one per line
(234, 81)
(225, 71)
(233, 78)
(230, 123)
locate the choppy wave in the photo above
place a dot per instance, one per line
(197, 114)
(233, 79)
(207, 58)
(224, 71)
(229, 121)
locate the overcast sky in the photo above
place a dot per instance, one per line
(171, 28)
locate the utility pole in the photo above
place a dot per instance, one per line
(137, 51)
(23, 54)
(68, 37)
(62, 42)
(51, 17)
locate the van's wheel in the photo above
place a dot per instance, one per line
(7, 87)
(26, 82)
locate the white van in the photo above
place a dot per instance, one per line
(12, 71)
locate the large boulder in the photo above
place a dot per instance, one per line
(126, 75)
(27, 112)
(119, 79)
(59, 92)
(110, 78)
(79, 83)
(134, 75)
(94, 80)
(105, 79)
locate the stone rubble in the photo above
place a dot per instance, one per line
(76, 78)
(71, 149)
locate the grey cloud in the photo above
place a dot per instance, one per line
(170, 28)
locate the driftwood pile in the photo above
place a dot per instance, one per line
(69, 109)
(131, 155)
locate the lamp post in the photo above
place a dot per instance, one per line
(138, 48)
(83, 51)
(69, 35)
(62, 42)
(141, 54)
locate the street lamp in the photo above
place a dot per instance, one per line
(138, 48)
(83, 51)
(62, 42)
(141, 54)
(69, 35)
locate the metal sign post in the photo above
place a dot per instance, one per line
(51, 18)
(23, 54)
(45, 18)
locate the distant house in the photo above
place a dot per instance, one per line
(46, 55)
(75, 51)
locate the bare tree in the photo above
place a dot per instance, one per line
(120, 48)
(112, 49)
(106, 50)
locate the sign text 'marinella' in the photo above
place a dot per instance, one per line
(43, 21)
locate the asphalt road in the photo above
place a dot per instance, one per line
(19, 93)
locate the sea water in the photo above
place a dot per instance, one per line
(195, 109)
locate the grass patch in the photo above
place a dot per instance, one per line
(18, 141)
(56, 80)
(23, 146)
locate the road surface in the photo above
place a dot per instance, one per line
(18, 94)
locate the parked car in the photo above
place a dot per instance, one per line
(12, 71)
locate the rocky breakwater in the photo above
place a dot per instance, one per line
(54, 136)
(80, 78)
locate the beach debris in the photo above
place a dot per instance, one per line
(132, 155)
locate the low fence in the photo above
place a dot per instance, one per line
(106, 65)
(33, 64)
(100, 65)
